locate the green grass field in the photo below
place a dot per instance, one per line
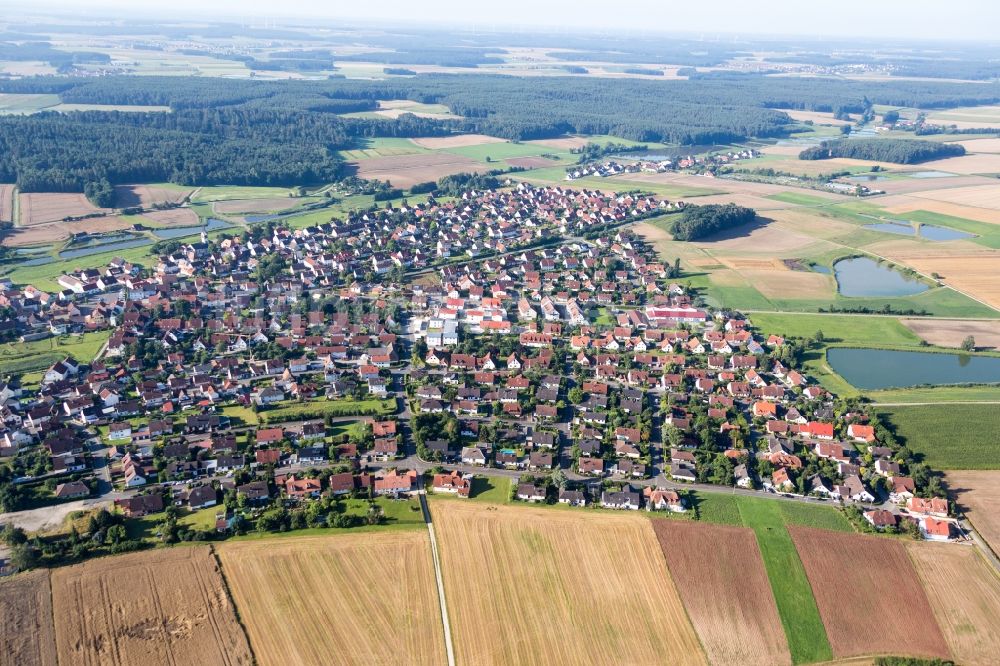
(937, 394)
(501, 151)
(950, 436)
(807, 641)
(16, 357)
(229, 192)
(382, 147)
(322, 408)
(798, 198)
(845, 329)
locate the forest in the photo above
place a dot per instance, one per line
(284, 132)
(897, 151)
(700, 221)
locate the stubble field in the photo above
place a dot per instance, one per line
(174, 217)
(27, 637)
(964, 591)
(366, 598)
(978, 494)
(45, 207)
(721, 578)
(6, 203)
(868, 595)
(543, 586)
(405, 171)
(159, 607)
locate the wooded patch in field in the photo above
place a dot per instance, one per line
(544, 586)
(367, 598)
(157, 607)
(868, 595)
(720, 575)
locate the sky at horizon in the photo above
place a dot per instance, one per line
(891, 19)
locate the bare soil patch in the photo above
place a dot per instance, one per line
(408, 170)
(721, 578)
(978, 493)
(862, 584)
(174, 217)
(127, 196)
(964, 591)
(48, 517)
(458, 141)
(45, 207)
(951, 332)
(165, 606)
(815, 116)
(542, 586)
(27, 636)
(349, 599)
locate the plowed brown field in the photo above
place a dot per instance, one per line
(159, 607)
(27, 637)
(364, 598)
(407, 170)
(721, 579)
(868, 595)
(542, 586)
(964, 591)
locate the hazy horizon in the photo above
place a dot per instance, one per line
(731, 18)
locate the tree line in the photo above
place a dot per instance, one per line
(898, 151)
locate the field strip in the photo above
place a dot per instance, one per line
(440, 581)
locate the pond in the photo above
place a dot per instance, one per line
(866, 178)
(925, 231)
(213, 224)
(873, 369)
(865, 277)
(931, 174)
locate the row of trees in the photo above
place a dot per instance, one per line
(898, 151)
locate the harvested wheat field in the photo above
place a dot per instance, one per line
(6, 203)
(159, 607)
(964, 591)
(174, 217)
(951, 332)
(979, 196)
(542, 586)
(45, 207)
(762, 237)
(778, 283)
(361, 599)
(861, 584)
(458, 141)
(972, 274)
(127, 196)
(564, 143)
(407, 170)
(27, 637)
(981, 145)
(721, 578)
(978, 493)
